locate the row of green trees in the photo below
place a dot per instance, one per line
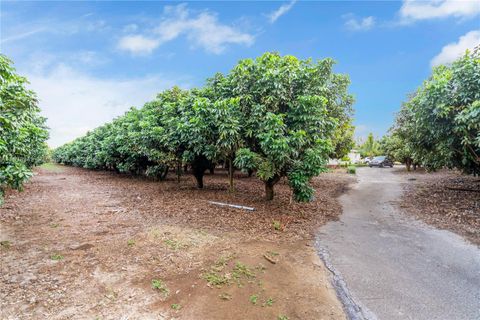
(22, 130)
(277, 116)
(439, 126)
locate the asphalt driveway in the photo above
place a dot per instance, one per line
(390, 266)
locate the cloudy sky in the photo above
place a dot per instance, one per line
(90, 61)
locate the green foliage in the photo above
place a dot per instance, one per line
(277, 225)
(276, 116)
(352, 169)
(440, 125)
(253, 299)
(294, 112)
(268, 303)
(160, 286)
(371, 147)
(176, 306)
(56, 257)
(22, 130)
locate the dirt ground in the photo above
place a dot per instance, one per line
(431, 197)
(79, 244)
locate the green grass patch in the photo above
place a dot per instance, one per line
(56, 257)
(351, 169)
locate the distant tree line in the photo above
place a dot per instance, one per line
(274, 116)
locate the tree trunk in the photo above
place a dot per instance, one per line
(250, 172)
(408, 164)
(212, 169)
(199, 165)
(269, 184)
(414, 166)
(231, 170)
(179, 172)
(269, 193)
(199, 177)
(164, 174)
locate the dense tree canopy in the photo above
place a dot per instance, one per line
(275, 116)
(440, 125)
(22, 129)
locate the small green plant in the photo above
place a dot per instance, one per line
(277, 225)
(223, 261)
(282, 317)
(54, 225)
(56, 257)
(241, 269)
(268, 303)
(215, 279)
(225, 296)
(351, 169)
(253, 299)
(173, 244)
(176, 306)
(131, 242)
(159, 285)
(5, 244)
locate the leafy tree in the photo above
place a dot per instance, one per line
(371, 147)
(290, 109)
(277, 116)
(443, 127)
(22, 129)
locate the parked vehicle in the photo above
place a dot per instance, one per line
(367, 160)
(381, 161)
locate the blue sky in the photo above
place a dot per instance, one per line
(90, 61)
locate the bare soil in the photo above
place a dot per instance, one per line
(438, 199)
(82, 244)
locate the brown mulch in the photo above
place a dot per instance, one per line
(436, 199)
(79, 244)
(182, 203)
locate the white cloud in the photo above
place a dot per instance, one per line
(75, 102)
(138, 44)
(355, 24)
(454, 50)
(202, 30)
(272, 17)
(412, 10)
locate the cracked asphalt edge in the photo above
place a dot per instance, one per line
(353, 309)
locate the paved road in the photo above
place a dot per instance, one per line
(390, 266)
